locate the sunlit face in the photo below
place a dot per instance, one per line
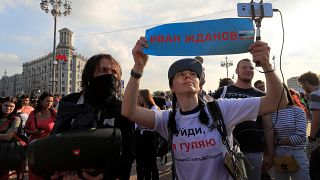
(26, 101)
(185, 82)
(8, 107)
(245, 71)
(47, 102)
(106, 66)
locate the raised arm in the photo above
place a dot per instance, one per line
(129, 107)
(260, 52)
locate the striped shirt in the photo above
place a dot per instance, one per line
(291, 124)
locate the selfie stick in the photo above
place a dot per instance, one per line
(257, 21)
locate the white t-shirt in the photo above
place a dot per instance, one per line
(198, 151)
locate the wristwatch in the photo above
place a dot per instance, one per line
(135, 74)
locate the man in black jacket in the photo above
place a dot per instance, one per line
(100, 84)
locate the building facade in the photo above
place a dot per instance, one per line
(37, 75)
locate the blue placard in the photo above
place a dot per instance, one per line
(212, 37)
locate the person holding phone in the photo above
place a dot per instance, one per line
(198, 150)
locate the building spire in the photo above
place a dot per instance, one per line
(65, 40)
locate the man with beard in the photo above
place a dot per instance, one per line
(250, 134)
(100, 83)
(309, 82)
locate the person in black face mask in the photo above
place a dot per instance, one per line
(101, 89)
(100, 85)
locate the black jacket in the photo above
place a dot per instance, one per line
(110, 117)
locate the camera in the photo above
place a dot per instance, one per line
(255, 10)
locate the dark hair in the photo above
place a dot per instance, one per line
(23, 96)
(38, 108)
(257, 82)
(91, 66)
(147, 96)
(57, 96)
(10, 99)
(290, 99)
(225, 82)
(19, 104)
(310, 77)
(246, 59)
(199, 58)
(203, 117)
(162, 93)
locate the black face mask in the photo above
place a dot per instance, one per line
(101, 89)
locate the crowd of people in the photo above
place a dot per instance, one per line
(267, 120)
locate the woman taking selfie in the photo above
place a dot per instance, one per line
(198, 150)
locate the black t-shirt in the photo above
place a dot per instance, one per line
(110, 117)
(249, 139)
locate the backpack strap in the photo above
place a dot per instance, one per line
(170, 142)
(217, 117)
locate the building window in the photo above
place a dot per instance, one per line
(63, 88)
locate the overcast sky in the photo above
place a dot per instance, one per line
(26, 33)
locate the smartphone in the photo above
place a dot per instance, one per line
(245, 10)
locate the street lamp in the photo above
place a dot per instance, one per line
(56, 11)
(227, 63)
